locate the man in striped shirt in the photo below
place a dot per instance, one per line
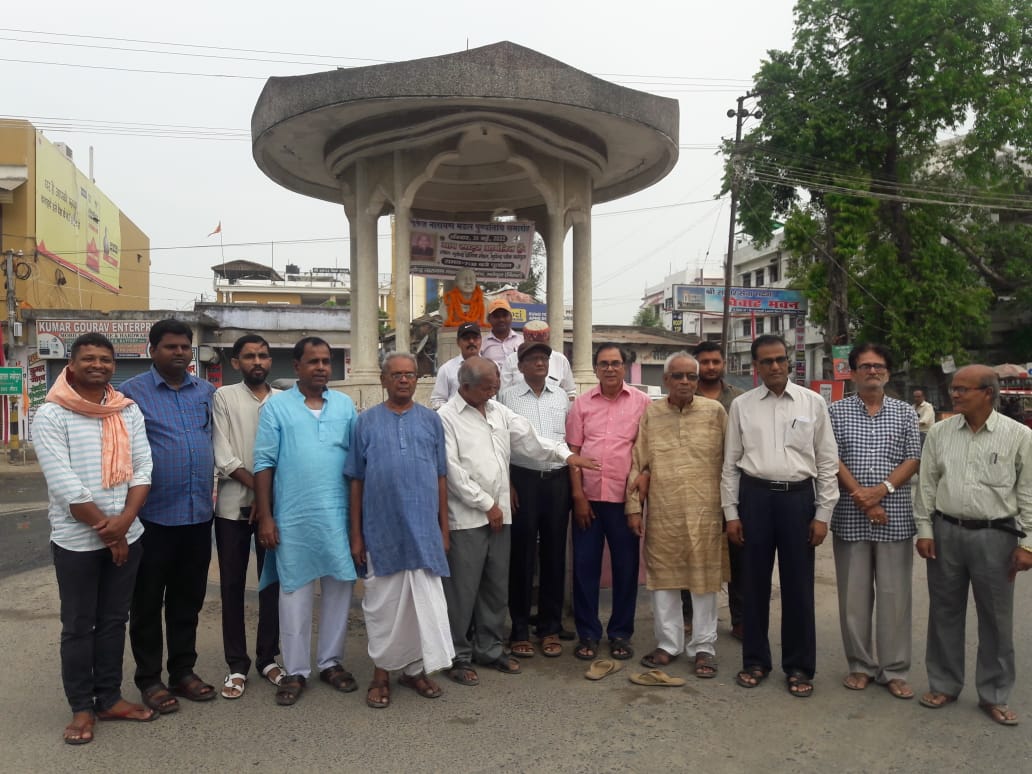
(94, 532)
(973, 519)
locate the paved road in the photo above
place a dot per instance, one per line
(549, 718)
(24, 529)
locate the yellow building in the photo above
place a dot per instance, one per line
(79, 251)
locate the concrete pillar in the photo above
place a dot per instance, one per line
(402, 281)
(582, 369)
(365, 365)
(554, 237)
(402, 242)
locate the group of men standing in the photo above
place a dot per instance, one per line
(446, 514)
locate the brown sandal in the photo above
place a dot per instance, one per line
(705, 665)
(421, 684)
(550, 646)
(381, 684)
(339, 678)
(290, 689)
(194, 688)
(159, 699)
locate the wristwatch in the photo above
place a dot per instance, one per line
(888, 485)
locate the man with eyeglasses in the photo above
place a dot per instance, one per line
(973, 519)
(778, 489)
(679, 450)
(447, 383)
(603, 424)
(540, 506)
(873, 524)
(399, 533)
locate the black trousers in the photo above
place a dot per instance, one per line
(778, 522)
(233, 543)
(539, 529)
(95, 596)
(173, 574)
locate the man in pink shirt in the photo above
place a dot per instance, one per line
(603, 423)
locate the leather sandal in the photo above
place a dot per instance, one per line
(290, 690)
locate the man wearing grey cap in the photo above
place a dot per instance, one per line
(447, 383)
(540, 505)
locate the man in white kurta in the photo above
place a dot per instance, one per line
(399, 532)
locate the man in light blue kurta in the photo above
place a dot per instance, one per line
(399, 530)
(299, 455)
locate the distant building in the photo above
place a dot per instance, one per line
(246, 282)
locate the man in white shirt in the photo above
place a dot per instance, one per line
(480, 435)
(235, 415)
(925, 412)
(778, 488)
(559, 372)
(447, 383)
(502, 341)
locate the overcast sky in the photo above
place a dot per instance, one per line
(176, 153)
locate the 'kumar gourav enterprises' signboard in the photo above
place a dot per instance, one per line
(76, 224)
(54, 338)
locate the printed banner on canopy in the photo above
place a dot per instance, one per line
(710, 298)
(54, 338)
(497, 252)
(76, 224)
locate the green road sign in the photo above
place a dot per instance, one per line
(10, 380)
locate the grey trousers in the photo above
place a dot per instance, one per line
(477, 592)
(874, 585)
(981, 559)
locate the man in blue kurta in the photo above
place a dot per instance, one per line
(399, 531)
(301, 502)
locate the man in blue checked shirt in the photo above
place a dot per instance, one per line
(176, 519)
(879, 447)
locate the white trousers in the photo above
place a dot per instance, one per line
(295, 611)
(668, 622)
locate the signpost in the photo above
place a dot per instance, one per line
(11, 381)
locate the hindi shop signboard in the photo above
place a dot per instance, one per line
(11, 381)
(497, 252)
(54, 337)
(710, 298)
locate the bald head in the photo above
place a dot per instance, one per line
(974, 391)
(478, 381)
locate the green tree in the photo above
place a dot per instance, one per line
(647, 317)
(898, 233)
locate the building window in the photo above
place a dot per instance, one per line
(747, 328)
(759, 325)
(747, 280)
(775, 324)
(759, 278)
(774, 272)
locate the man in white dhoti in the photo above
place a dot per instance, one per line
(399, 531)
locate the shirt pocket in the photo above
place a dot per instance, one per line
(334, 432)
(799, 434)
(997, 472)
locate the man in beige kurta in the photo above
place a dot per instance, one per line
(676, 470)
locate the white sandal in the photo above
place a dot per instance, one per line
(278, 678)
(233, 686)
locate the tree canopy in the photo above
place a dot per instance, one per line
(895, 145)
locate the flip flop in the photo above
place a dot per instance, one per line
(999, 713)
(79, 733)
(856, 681)
(603, 667)
(233, 686)
(936, 700)
(900, 689)
(131, 712)
(657, 678)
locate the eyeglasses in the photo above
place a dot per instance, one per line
(603, 365)
(872, 367)
(535, 359)
(958, 390)
(767, 362)
(399, 375)
(679, 376)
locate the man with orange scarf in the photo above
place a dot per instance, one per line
(92, 447)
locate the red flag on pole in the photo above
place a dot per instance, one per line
(218, 229)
